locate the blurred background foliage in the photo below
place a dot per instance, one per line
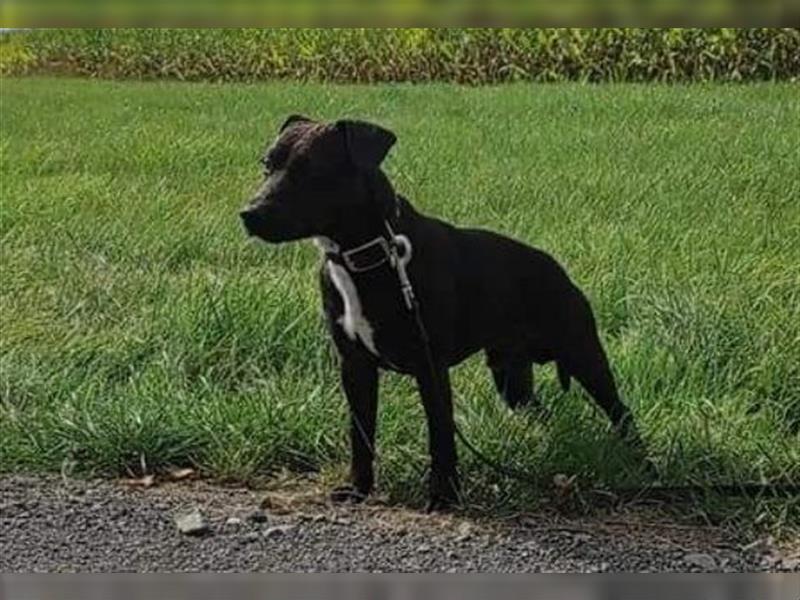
(470, 56)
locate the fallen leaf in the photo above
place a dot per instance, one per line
(564, 486)
(563, 482)
(145, 482)
(284, 504)
(180, 474)
(278, 503)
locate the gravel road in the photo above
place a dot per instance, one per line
(54, 524)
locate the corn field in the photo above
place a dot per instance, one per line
(469, 56)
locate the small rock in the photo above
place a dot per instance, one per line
(233, 522)
(791, 564)
(192, 523)
(452, 555)
(600, 568)
(771, 560)
(258, 516)
(701, 561)
(277, 531)
(423, 548)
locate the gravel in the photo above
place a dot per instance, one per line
(55, 525)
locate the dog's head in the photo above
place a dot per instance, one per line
(316, 175)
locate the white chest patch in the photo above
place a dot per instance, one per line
(353, 321)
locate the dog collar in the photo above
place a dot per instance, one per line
(372, 254)
(366, 257)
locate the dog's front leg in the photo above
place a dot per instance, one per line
(437, 400)
(360, 383)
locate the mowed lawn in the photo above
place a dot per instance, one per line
(141, 330)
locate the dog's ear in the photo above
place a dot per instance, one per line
(293, 119)
(367, 144)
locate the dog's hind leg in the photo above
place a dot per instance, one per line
(587, 363)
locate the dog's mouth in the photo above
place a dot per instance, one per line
(270, 228)
(251, 222)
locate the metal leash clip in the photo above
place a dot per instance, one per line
(399, 263)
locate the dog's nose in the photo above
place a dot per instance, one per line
(249, 218)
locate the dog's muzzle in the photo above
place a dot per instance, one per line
(272, 225)
(251, 221)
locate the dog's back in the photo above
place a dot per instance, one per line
(505, 293)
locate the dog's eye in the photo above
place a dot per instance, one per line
(267, 165)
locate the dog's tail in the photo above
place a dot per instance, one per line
(563, 375)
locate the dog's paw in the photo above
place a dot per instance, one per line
(347, 494)
(439, 505)
(444, 494)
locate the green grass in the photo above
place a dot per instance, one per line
(140, 329)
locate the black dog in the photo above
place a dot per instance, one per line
(477, 291)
